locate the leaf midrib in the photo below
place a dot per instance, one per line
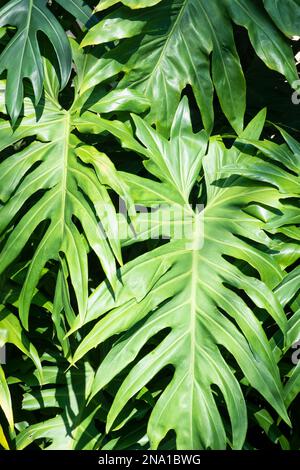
(66, 137)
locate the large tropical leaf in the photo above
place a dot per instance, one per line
(22, 57)
(190, 42)
(288, 224)
(190, 288)
(285, 223)
(69, 183)
(285, 15)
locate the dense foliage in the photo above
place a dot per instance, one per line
(149, 224)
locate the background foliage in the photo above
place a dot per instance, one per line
(138, 339)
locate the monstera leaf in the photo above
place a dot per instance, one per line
(194, 292)
(22, 57)
(190, 42)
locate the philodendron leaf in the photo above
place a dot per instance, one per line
(22, 58)
(195, 46)
(191, 289)
(71, 184)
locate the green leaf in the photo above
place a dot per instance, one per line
(16, 335)
(66, 188)
(194, 47)
(22, 58)
(163, 64)
(268, 424)
(190, 288)
(104, 4)
(286, 15)
(292, 387)
(267, 41)
(78, 8)
(3, 440)
(73, 427)
(5, 400)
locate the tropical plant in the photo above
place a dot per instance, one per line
(149, 238)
